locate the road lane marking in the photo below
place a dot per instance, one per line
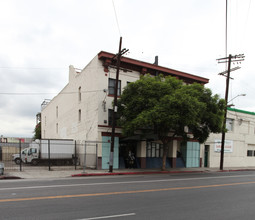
(124, 182)
(110, 216)
(124, 192)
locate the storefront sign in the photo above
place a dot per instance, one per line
(228, 146)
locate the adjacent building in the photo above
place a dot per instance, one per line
(239, 142)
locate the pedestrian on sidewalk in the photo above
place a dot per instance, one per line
(131, 160)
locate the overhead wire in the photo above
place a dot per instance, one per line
(47, 93)
(116, 17)
(33, 68)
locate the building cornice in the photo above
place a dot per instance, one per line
(241, 111)
(144, 67)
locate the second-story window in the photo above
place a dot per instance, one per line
(111, 86)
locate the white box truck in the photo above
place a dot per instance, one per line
(16, 157)
(57, 151)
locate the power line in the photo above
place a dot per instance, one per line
(116, 17)
(41, 68)
(47, 93)
(226, 31)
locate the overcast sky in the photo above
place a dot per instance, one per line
(40, 39)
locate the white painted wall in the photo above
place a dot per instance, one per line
(68, 105)
(60, 118)
(243, 137)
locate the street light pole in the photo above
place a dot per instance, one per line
(236, 97)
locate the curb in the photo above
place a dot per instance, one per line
(236, 170)
(155, 172)
(133, 173)
(9, 177)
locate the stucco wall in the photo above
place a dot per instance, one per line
(63, 110)
(68, 105)
(243, 138)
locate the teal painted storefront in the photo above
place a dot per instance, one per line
(191, 154)
(106, 145)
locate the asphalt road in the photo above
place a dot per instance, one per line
(167, 196)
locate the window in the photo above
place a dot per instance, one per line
(32, 151)
(57, 128)
(154, 150)
(79, 115)
(230, 124)
(110, 115)
(79, 94)
(148, 149)
(249, 153)
(111, 86)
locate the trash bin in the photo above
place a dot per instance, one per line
(1, 168)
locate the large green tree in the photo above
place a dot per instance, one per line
(167, 107)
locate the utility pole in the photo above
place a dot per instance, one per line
(118, 55)
(229, 59)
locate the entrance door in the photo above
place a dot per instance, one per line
(191, 153)
(206, 155)
(106, 146)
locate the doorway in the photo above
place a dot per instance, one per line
(125, 151)
(206, 155)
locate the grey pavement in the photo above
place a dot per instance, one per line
(43, 173)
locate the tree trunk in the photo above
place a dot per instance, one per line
(165, 151)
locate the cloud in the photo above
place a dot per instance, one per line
(40, 39)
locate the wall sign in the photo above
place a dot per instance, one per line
(228, 146)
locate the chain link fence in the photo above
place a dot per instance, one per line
(49, 155)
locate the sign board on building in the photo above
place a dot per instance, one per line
(228, 146)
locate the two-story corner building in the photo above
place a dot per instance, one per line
(82, 111)
(239, 142)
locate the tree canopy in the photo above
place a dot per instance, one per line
(37, 131)
(166, 106)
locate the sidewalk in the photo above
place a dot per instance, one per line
(45, 174)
